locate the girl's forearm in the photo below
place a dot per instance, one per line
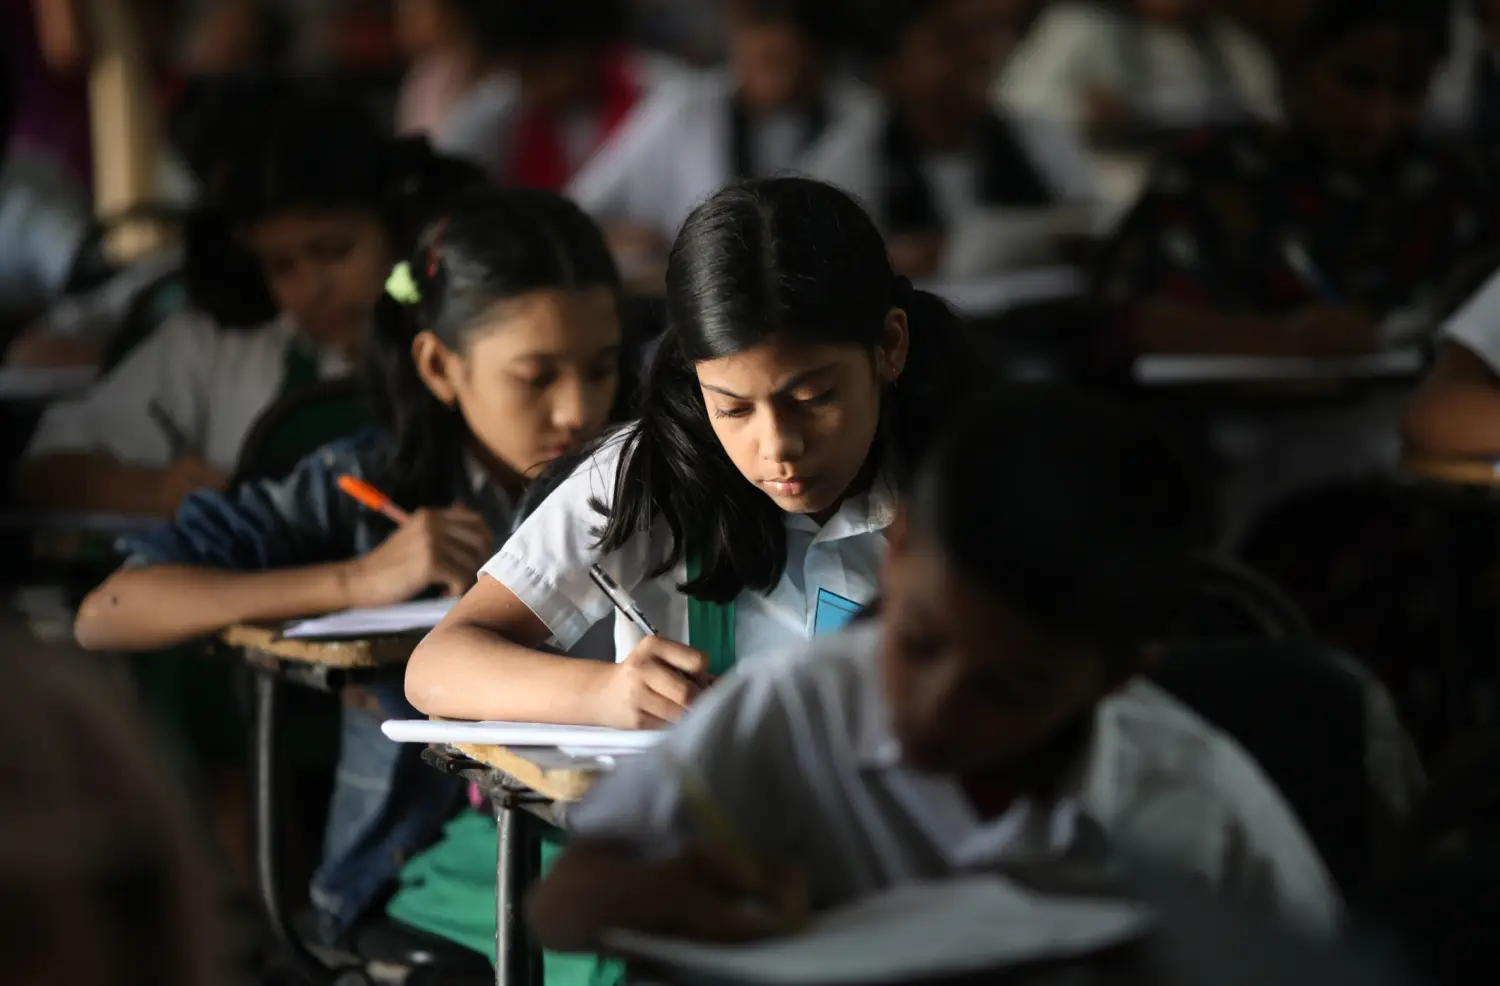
(465, 671)
(159, 606)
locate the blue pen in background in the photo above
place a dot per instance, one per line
(1301, 262)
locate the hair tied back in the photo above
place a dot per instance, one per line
(903, 294)
(401, 286)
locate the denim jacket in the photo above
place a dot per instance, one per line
(386, 803)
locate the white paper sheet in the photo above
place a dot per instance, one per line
(916, 931)
(576, 740)
(382, 621)
(1000, 293)
(26, 384)
(1170, 371)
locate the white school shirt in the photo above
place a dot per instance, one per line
(1452, 97)
(849, 156)
(798, 751)
(675, 151)
(213, 383)
(546, 564)
(1077, 48)
(44, 221)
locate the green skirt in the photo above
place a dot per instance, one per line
(449, 890)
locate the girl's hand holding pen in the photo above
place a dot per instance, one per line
(653, 686)
(712, 898)
(433, 547)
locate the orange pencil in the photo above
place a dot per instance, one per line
(372, 498)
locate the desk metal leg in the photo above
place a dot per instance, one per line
(304, 964)
(513, 953)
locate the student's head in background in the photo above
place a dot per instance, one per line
(782, 50)
(796, 368)
(307, 219)
(1356, 76)
(424, 27)
(1034, 569)
(505, 344)
(558, 49)
(934, 61)
(103, 878)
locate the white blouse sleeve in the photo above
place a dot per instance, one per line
(847, 156)
(546, 561)
(1069, 49)
(173, 367)
(1476, 326)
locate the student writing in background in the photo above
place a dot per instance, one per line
(577, 83)
(781, 93)
(991, 715)
(797, 383)
(1295, 240)
(936, 158)
(285, 262)
(502, 353)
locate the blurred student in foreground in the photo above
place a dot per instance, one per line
(992, 715)
(103, 881)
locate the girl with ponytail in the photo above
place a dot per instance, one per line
(797, 384)
(496, 350)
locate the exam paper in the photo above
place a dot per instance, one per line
(380, 621)
(913, 932)
(577, 740)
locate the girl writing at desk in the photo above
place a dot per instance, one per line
(746, 510)
(285, 261)
(502, 351)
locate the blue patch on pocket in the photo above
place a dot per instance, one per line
(833, 613)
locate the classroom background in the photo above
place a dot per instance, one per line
(1278, 232)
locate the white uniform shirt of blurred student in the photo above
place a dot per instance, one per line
(830, 571)
(1476, 326)
(678, 149)
(213, 383)
(1076, 49)
(478, 127)
(44, 222)
(797, 750)
(1011, 237)
(1453, 100)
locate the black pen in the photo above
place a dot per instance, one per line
(621, 600)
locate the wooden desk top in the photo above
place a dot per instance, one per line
(558, 783)
(372, 653)
(1452, 469)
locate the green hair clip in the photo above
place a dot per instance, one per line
(401, 286)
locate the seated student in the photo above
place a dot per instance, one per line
(1456, 411)
(452, 48)
(782, 91)
(1123, 73)
(1296, 240)
(1102, 66)
(746, 510)
(576, 84)
(936, 165)
(503, 353)
(991, 715)
(286, 261)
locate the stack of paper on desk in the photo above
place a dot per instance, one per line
(575, 739)
(380, 621)
(1166, 371)
(919, 931)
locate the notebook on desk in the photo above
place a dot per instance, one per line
(1176, 371)
(915, 932)
(414, 617)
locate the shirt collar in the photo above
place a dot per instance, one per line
(489, 495)
(869, 512)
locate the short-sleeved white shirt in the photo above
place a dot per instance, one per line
(798, 751)
(1476, 326)
(546, 564)
(213, 383)
(675, 151)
